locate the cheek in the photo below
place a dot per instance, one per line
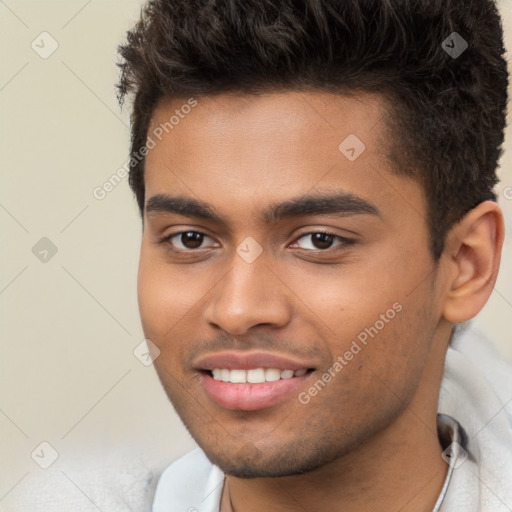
(154, 298)
(171, 299)
(392, 340)
(376, 370)
(379, 314)
(165, 296)
(343, 300)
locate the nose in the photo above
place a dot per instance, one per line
(249, 295)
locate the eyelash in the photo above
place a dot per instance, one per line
(344, 242)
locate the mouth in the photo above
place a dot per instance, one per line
(250, 381)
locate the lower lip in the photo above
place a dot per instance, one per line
(251, 397)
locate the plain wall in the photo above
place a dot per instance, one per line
(68, 374)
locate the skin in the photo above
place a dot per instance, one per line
(367, 441)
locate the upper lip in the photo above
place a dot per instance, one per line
(248, 360)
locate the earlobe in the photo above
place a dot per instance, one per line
(473, 250)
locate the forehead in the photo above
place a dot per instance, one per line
(264, 148)
(288, 114)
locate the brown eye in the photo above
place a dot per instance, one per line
(191, 239)
(186, 241)
(320, 241)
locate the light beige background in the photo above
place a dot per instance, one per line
(68, 374)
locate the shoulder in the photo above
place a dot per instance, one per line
(476, 390)
(191, 483)
(476, 370)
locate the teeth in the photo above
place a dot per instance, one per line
(272, 374)
(254, 376)
(238, 376)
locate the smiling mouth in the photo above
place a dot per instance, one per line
(249, 390)
(254, 375)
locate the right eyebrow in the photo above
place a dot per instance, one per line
(188, 207)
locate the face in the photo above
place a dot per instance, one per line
(284, 276)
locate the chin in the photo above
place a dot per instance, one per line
(250, 462)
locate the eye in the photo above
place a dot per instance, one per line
(322, 241)
(185, 240)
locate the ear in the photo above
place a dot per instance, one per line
(472, 256)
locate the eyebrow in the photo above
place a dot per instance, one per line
(343, 203)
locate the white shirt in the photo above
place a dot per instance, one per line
(476, 393)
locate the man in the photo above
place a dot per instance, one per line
(315, 182)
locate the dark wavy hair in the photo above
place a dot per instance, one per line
(448, 111)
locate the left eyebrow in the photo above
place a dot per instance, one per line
(343, 203)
